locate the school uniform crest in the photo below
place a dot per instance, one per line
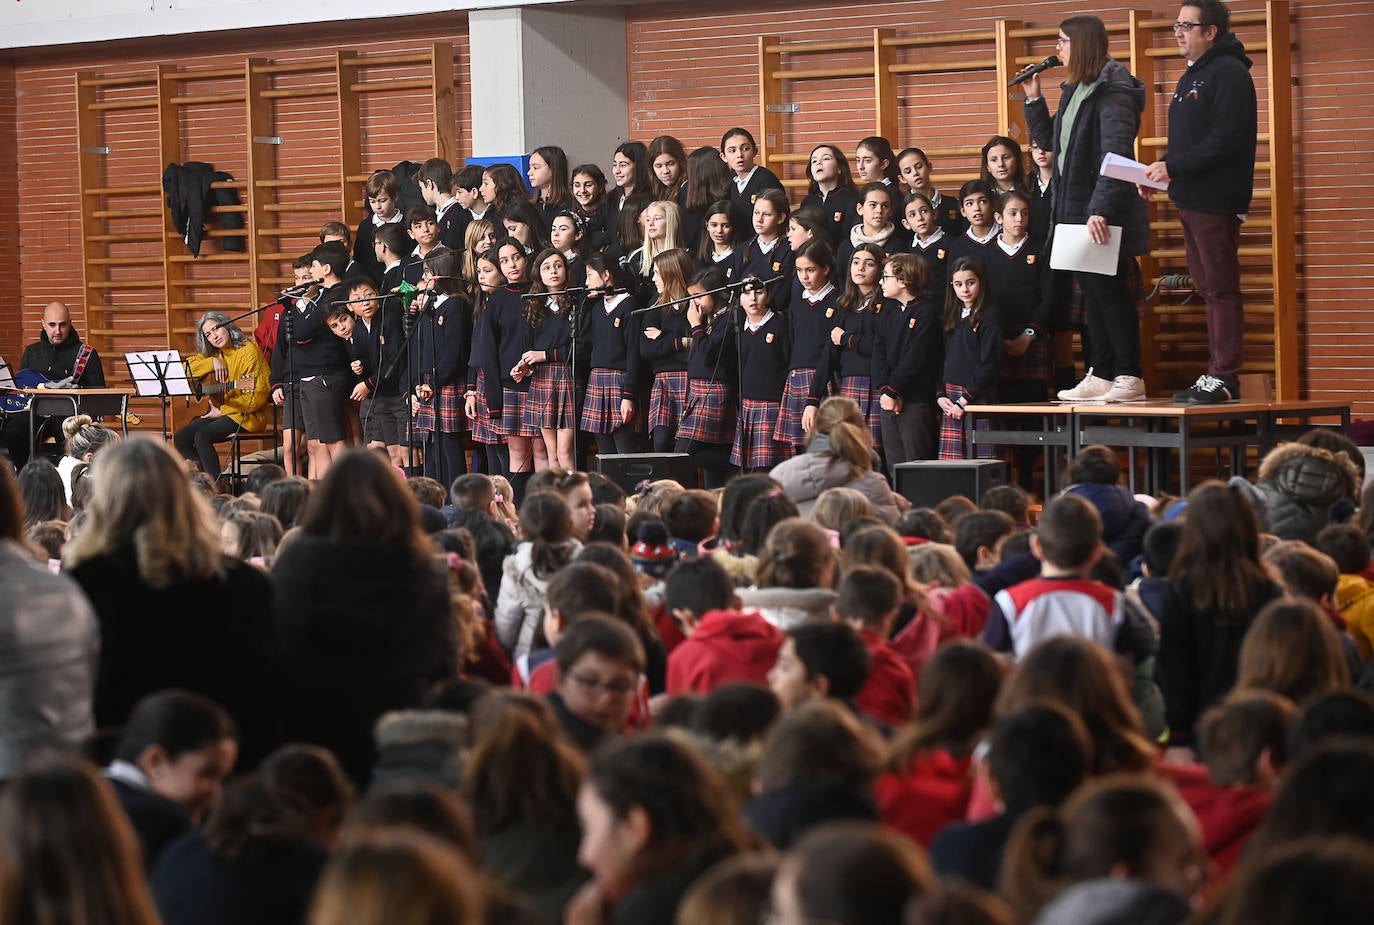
(839, 216)
(768, 338)
(441, 319)
(1030, 259)
(940, 253)
(753, 199)
(777, 265)
(617, 322)
(911, 325)
(830, 313)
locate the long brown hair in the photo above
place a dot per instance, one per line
(1088, 39)
(1218, 556)
(144, 503)
(521, 770)
(398, 878)
(840, 419)
(76, 856)
(797, 554)
(675, 268)
(1292, 649)
(362, 497)
(536, 310)
(958, 688)
(547, 524)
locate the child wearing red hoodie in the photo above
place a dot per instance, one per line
(723, 644)
(868, 600)
(1244, 743)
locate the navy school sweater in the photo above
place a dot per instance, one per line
(973, 355)
(908, 351)
(763, 355)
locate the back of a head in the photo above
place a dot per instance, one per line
(819, 741)
(955, 508)
(1303, 571)
(1324, 793)
(1038, 755)
(1095, 464)
(957, 903)
(741, 710)
(737, 891)
(1011, 500)
(1234, 735)
(398, 879)
(1323, 880)
(285, 499)
(836, 507)
(11, 504)
(1069, 532)
(472, 491)
(740, 492)
(520, 771)
(1087, 680)
(361, 498)
(836, 652)
(176, 721)
(1159, 545)
(868, 595)
(40, 486)
(797, 554)
(580, 588)
(698, 585)
(262, 475)
(852, 873)
(955, 700)
(691, 515)
(1292, 649)
(1335, 442)
(840, 419)
(414, 808)
(980, 529)
(924, 523)
(1346, 544)
(72, 847)
(311, 775)
(765, 512)
(1342, 714)
(938, 564)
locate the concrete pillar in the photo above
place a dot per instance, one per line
(549, 76)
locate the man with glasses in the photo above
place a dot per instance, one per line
(1210, 169)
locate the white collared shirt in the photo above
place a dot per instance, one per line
(742, 182)
(751, 327)
(1011, 250)
(814, 297)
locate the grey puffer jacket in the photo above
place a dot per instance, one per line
(49, 648)
(1107, 121)
(804, 477)
(1299, 484)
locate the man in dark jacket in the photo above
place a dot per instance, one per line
(57, 355)
(1210, 169)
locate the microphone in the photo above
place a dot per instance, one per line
(1028, 73)
(302, 288)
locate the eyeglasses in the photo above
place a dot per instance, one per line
(886, 276)
(1060, 42)
(616, 687)
(1185, 26)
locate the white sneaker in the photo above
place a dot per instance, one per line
(1092, 388)
(1126, 388)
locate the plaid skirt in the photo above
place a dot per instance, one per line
(549, 404)
(860, 389)
(448, 406)
(601, 406)
(668, 399)
(754, 446)
(481, 425)
(512, 420)
(794, 394)
(1034, 364)
(952, 430)
(710, 414)
(422, 421)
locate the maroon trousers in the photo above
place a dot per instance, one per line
(1211, 242)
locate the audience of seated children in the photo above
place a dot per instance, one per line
(724, 643)
(868, 600)
(1095, 474)
(820, 661)
(1349, 549)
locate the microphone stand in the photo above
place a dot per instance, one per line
(737, 328)
(575, 310)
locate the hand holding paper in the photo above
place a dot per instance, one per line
(1073, 249)
(1123, 168)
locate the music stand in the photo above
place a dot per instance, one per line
(158, 374)
(6, 376)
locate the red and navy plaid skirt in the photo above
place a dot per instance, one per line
(952, 429)
(481, 426)
(422, 421)
(668, 399)
(1033, 365)
(754, 446)
(549, 404)
(710, 414)
(512, 420)
(601, 407)
(860, 389)
(794, 394)
(448, 407)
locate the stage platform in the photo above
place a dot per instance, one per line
(1159, 434)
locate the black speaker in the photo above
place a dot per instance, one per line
(927, 482)
(629, 469)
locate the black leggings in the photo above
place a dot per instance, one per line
(196, 441)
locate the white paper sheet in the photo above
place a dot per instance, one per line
(1123, 168)
(144, 367)
(1074, 250)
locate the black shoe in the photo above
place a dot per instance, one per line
(1208, 390)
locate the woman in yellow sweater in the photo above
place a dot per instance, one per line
(241, 374)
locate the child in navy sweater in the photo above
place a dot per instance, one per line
(609, 408)
(973, 352)
(708, 423)
(809, 330)
(907, 358)
(549, 404)
(848, 363)
(764, 348)
(738, 149)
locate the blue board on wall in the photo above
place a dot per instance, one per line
(520, 162)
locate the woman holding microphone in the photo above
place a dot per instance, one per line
(1098, 113)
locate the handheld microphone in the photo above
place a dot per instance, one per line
(302, 288)
(1028, 73)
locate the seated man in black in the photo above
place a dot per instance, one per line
(57, 356)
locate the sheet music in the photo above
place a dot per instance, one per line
(6, 375)
(151, 368)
